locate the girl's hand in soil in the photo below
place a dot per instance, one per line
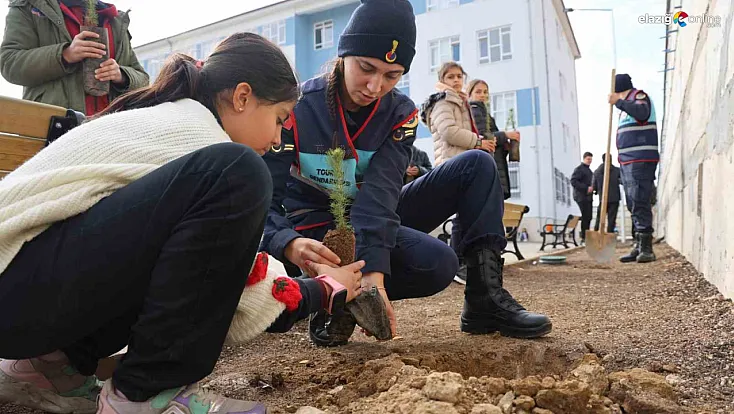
(81, 49)
(350, 276)
(109, 71)
(378, 279)
(302, 249)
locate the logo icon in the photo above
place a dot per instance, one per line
(679, 17)
(391, 56)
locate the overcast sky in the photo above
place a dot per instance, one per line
(639, 48)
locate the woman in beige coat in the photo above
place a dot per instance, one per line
(448, 116)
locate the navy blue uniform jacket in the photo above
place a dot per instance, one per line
(377, 157)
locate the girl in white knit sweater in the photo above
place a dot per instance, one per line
(140, 229)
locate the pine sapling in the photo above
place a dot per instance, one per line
(511, 119)
(338, 195)
(341, 240)
(91, 18)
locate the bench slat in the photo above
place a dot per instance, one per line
(14, 150)
(27, 118)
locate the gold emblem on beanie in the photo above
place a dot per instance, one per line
(391, 56)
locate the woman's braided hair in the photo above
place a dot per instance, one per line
(335, 78)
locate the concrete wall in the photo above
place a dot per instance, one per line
(696, 198)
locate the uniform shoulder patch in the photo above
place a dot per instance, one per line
(640, 96)
(407, 130)
(412, 123)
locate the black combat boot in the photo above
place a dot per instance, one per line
(646, 254)
(331, 330)
(488, 307)
(632, 256)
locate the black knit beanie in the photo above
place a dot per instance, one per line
(381, 29)
(622, 82)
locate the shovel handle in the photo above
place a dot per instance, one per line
(607, 166)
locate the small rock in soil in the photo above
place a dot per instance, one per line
(505, 403)
(486, 409)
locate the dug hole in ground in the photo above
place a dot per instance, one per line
(652, 338)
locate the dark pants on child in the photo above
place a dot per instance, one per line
(159, 265)
(639, 179)
(466, 185)
(612, 210)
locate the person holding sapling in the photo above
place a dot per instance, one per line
(48, 60)
(356, 107)
(478, 92)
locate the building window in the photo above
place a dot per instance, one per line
(495, 45)
(444, 50)
(208, 47)
(275, 32)
(440, 4)
(514, 170)
(566, 134)
(404, 82)
(500, 106)
(559, 34)
(560, 186)
(195, 51)
(562, 84)
(568, 192)
(323, 35)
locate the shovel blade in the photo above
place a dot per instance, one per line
(601, 246)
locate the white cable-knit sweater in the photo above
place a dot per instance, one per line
(95, 159)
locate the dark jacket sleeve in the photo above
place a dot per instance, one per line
(279, 231)
(23, 60)
(479, 114)
(423, 162)
(638, 109)
(311, 302)
(577, 181)
(374, 213)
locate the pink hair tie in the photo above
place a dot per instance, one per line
(199, 64)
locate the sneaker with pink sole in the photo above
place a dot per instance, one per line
(191, 399)
(48, 383)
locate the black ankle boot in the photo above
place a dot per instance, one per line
(488, 307)
(646, 254)
(632, 256)
(331, 330)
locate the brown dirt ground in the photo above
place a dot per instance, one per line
(661, 316)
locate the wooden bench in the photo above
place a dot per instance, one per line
(560, 231)
(27, 127)
(511, 219)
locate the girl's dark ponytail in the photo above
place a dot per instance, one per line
(242, 57)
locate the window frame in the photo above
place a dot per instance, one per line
(485, 35)
(451, 41)
(323, 26)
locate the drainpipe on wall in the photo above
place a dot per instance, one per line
(550, 117)
(535, 115)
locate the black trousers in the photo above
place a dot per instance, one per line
(466, 185)
(587, 210)
(159, 266)
(612, 209)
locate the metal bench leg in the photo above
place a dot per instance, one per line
(542, 247)
(517, 249)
